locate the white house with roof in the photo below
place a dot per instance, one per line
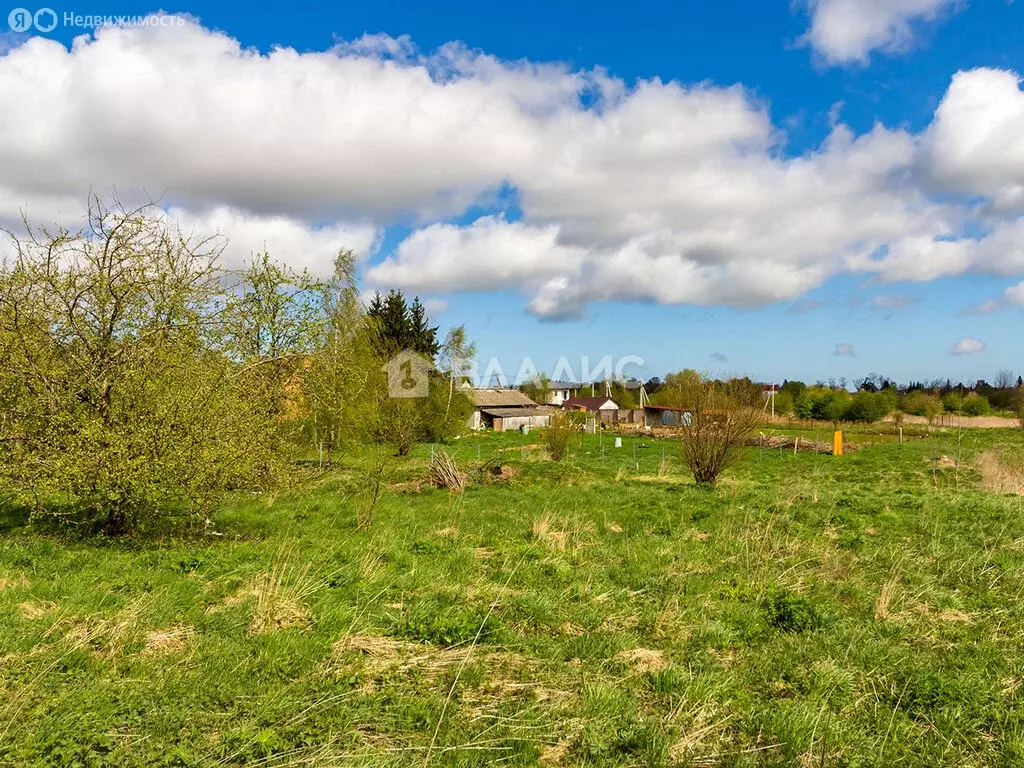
(560, 391)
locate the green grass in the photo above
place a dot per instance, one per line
(810, 610)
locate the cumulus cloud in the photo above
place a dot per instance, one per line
(647, 191)
(847, 31)
(967, 346)
(844, 349)
(304, 247)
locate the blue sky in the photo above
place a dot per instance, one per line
(764, 284)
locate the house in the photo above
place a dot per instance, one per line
(505, 409)
(590, 404)
(604, 409)
(560, 391)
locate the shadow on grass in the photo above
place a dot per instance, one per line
(13, 516)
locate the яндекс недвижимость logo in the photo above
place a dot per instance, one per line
(23, 20)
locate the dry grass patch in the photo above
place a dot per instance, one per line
(544, 532)
(168, 641)
(33, 610)
(702, 729)
(281, 594)
(107, 637)
(16, 582)
(1000, 474)
(643, 660)
(557, 536)
(885, 598)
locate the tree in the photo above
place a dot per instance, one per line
(454, 361)
(953, 402)
(976, 405)
(1004, 379)
(401, 326)
(538, 388)
(724, 416)
(423, 335)
(343, 384)
(560, 431)
(126, 398)
(869, 406)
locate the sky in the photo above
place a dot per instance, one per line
(807, 190)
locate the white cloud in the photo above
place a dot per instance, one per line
(651, 191)
(984, 308)
(895, 301)
(284, 238)
(975, 145)
(847, 31)
(1015, 294)
(435, 306)
(967, 346)
(490, 254)
(844, 349)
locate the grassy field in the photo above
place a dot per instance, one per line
(810, 610)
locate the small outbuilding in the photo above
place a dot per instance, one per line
(664, 416)
(505, 409)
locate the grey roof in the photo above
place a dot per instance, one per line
(564, 385)
(499, 398)
(503, 413)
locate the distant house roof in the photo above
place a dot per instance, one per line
(499, 398)
(590, 403)
(502, 413)
(564, 385)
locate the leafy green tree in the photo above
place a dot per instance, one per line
(869, 406)
(953, 402)
(538, 388)
(343, 384)
(976, 405)
(126, 399)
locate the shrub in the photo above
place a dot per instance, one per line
(559, 432)
(791, 613)
(869, 407)
(976, 405)
(128, 393)
(953, 402)
(724, 415)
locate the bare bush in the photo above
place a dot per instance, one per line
(723, 416)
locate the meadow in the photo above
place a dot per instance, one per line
(809, 610)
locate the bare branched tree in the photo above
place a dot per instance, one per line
(720, 417)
